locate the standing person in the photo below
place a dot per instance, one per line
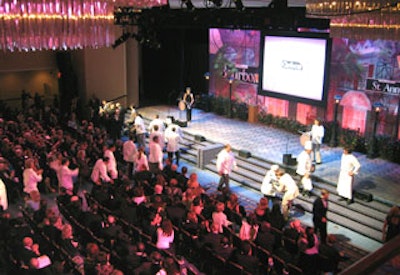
(320, 208)
(129, 152)
(225, 163)
(3, 196)
(160, 134)
(165, 235)
(155, 156)
(141, 162)
(317, 135)
(3, 187)
(32, 176)
(349, 166)
(188, 98)
(112, 163)
(140, 130)
(304, 168)
(290, 189)
(268, 186)
(67, 175)
(173, 140)
(99, 172)
(156, 121)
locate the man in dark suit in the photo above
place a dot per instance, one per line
(320, 208)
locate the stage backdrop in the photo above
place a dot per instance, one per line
(362, 72)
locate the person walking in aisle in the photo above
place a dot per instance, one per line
(225, 163)
(349, 166)
(320, 208)
(173, 147)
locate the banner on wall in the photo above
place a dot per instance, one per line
(234, 55)
(384, 86)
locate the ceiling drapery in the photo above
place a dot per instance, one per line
(359, 19)
(60, 24)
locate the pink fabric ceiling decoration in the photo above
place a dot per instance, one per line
(367, 19)
(29, 25)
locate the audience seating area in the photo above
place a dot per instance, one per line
(100, 230)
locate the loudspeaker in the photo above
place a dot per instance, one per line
(287, 158)
(244, 154)
(364, 196)
(181, 123)
(199, 138)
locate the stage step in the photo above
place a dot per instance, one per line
(365, 218)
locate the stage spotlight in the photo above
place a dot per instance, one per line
(239, 4)
(123, 38)
(189, 5)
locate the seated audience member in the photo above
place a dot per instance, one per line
(169, 266)
(183, 179)
(308, 247)
(150, 267)
(151, 221)
(90, 262)
(192, 224)
(187, 198)
(176, 211)
(32, 258)
(40, 214)
(111, 230)
(330, 256)
(173, 188)
(33, 201)
(225, 249)
(262, 210)
(265, 238)
(129, 211)
(92, 219)
(291, 235)
(138, 195)
(234, 211)
(276, 218)
(247, 259)
(249, 228)
(103, 264)
(213, 238)
(50, 230)
(194, 185)
(219, 218)
(197, 205)
(165, 235)
(71, 245)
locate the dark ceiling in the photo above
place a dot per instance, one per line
(272, 17)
